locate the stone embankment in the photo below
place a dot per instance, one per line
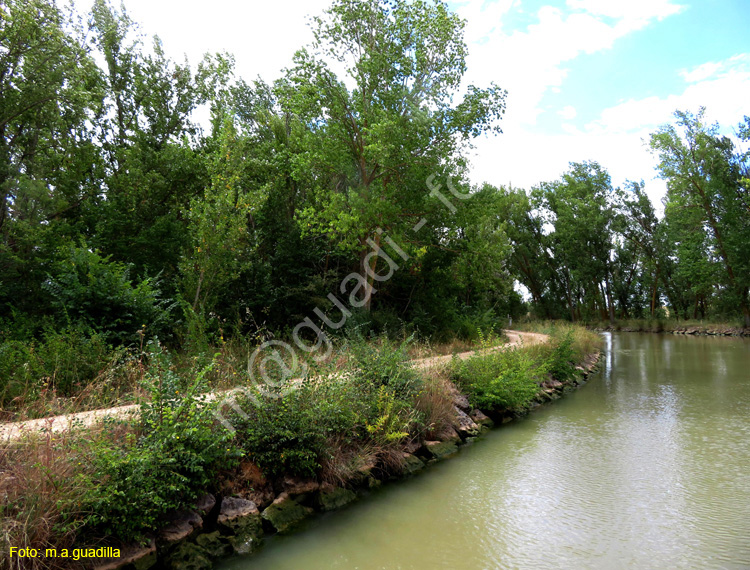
(700, 330)
(217, 527)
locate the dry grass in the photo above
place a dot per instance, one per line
(37, 479)
(345, 462)
(584, 341)
(435, 401)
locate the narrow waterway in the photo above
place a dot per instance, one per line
(645, 467)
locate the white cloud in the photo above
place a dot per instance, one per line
(531, 62)
(568, 113)
(618, 138)
(630, 11)
(722, 87)
(263, 36)
(715, 69)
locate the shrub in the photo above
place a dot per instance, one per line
(62, 362)
(384, 363)
(499, 380)
(96, 292)
(176, 457)
(560, 362)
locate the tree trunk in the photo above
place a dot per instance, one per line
(611, 306)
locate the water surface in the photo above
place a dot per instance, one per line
(646, 466)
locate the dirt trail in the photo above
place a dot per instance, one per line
(57, 424)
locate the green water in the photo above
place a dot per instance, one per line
(646, 466)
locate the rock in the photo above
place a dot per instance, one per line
(188, 556)
(135, 556)
(205, 504)
(285, 513)
(332, 498)
(410, 463)
(213, 544)
(449, 434)
(439, 449)
(183, 525)
(241, 519)
(412, 446)
(466, 426)
(459, 399)
(479, 418)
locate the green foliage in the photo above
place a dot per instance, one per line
(384, 363)
(175, 458)
(392, 419)
(507, 380)
(93, 291)
(284, 435)
(61, 362)
(561, 361)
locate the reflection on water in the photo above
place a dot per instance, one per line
(647, 466)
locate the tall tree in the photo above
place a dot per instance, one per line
(704, 184)
(378, 134)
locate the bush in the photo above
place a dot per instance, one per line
(383, 362)
(560, 362)
(92, 291)
(62, 362)
(507, 380)
(177, 456)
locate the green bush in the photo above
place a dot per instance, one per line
(284, 435)
(560, 362)
(93, 291)
(507, 380)
(383, 362)
(177, 456)
(62, 361)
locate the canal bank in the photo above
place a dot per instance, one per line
(219, 526)
(643, 468)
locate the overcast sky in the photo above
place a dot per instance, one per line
(587, 79)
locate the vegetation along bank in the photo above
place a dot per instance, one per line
(188, 491)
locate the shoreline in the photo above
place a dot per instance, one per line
(691, 330)
(219, 527)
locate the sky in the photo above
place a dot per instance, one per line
(586, 79)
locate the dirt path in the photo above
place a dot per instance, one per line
(57, 424)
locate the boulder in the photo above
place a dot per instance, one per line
(439, 449)
(285, 513)
(410, 463)
(466, 427)
(331, 498)
(241, 520)
(205, 504)
(182, 525)
(213, 544)
(188, 556)
(479, 418)
(459, 399)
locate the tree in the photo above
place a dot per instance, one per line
(373, 145)
(580, 207)
(704, 188)
(50, 90)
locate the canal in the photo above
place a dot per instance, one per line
(646, 466)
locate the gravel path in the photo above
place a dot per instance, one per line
(16, 430)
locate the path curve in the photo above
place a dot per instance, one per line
(57, 424)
